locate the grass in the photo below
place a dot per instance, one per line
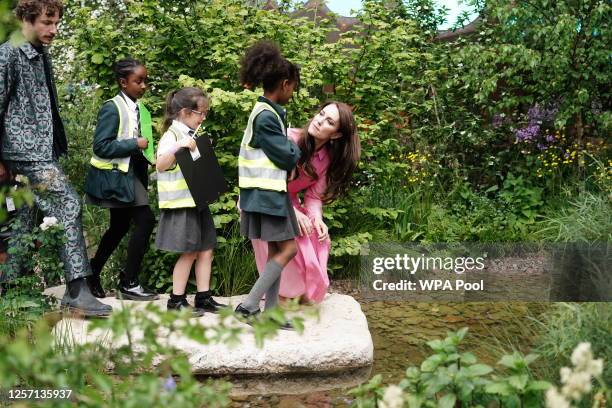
(588, 218)
(234, 267)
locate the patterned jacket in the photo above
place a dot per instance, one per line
(26, 121)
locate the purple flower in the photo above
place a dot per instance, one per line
(541, 146)
(169, 384)
(497, 120)
(550, 138)
(538, 114)
(527, 134)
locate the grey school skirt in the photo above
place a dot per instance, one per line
(255, 225)
(185, 230)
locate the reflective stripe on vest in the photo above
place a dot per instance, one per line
(124, 131)
(172, 190)
(255, 169)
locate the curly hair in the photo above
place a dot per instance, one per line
(29, 10)
(264, 64)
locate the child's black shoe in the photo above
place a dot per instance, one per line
(204, 301)
(180, 303)
(287, 326)
(245, 312)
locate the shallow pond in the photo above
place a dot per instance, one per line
(399, 331)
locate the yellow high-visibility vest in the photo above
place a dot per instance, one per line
(125, 131)
(255, 169)
(172, 190)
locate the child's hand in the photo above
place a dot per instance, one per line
(142, 143)
(188, 143)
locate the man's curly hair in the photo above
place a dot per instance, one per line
(29, 10)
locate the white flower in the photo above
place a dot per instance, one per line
(582, 356)
(48, 222)
(578, 383)
(392, 398)
(595, 368)
(565, 374)
(555, 400)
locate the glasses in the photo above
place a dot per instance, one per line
(198, 112)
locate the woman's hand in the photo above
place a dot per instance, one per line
(321, 228)
(142, 143)
(188, 143)
(303, 222)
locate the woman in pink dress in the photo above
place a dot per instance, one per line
(330, 152)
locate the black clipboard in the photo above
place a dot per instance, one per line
(204, 176)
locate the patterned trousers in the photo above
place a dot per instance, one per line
(54, 196)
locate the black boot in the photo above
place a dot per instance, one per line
(204, 300)
(78, 299)
(179, 302)
(93, 280)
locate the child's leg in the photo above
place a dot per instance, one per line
(283, 252)
(119, 226)
(138, 244)
(202, 269)
(180, 274)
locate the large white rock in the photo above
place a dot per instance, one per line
(336, 340)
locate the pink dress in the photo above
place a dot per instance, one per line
(306, 274)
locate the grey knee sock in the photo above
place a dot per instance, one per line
(272, 294)
(270, 275)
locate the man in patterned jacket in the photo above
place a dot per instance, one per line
(32, 139)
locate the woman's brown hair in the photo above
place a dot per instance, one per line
(344, 153)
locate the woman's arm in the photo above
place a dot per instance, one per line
(105, 143)
(314, 205)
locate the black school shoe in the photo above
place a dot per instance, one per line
(136, 293)
(180, 303)
(287, 326)
(245, 312)
(203, 300)
(249, 315)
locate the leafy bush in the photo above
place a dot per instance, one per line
(452, 378)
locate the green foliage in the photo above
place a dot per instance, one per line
(453, 378)
(36, 251)
(21, 304)
(540, 51)
(147, 370)
(8, 22)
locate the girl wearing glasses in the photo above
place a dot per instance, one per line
(182, 227)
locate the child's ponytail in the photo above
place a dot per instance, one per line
(178, 99)
(170, 112)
